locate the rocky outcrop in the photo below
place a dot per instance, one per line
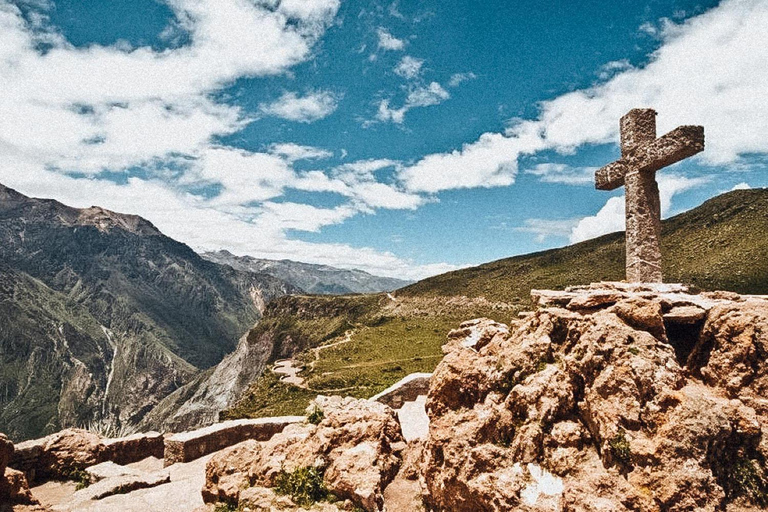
(72, 450)
(609, 397)
(354, 448)
(187, 446)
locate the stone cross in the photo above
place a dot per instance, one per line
(642, 154)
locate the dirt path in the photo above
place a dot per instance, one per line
(289, 368)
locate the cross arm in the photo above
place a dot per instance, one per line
(679, 144)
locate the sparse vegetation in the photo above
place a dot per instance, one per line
(375, 343)
(745, 478)
(304, 485)
(620, 448)
(315, 416)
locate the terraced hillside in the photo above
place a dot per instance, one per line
(368, 342)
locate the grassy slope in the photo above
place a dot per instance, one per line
(720, 245)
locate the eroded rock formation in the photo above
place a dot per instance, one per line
(355, 447)
(611, 397)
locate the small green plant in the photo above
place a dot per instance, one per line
(80, 477)
(746, 480)
(541, 366)
(316, 415)
(620, 448)
(634, 351)
(224, 507)
(304, 485)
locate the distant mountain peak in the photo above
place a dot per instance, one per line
(311, 277)
(102, 219)
(105, 220)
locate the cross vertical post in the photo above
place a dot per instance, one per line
(642, 154)
(643, 207)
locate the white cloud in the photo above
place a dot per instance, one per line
(458, 78)
(491, 161)
(611, 217)
(741, 186)
(389, 42)
(293, 152)
(546, 228)
(112, 107)
(420, 96)
(562, 173)
(305, 109)
(710, 70)
(409, 67)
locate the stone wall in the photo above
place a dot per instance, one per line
(187, 446)
(408, 389)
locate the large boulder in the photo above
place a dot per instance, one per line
(354, 447)
(6, 451)
(604, 405)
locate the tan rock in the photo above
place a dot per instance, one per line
(594, 411)
(685, 315)
(6, 451)
(14, 488)
(354, 446)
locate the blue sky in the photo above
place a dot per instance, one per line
(404, 138)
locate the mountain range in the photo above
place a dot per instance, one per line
(101, 315)
(313, 279)
(108, 324)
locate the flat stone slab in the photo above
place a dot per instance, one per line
(187, 446)
(685, 315)
(129, 481)
(407, 389)
(414, 420)
(111, 470)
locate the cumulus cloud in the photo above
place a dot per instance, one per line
(741, 186)
(420, 96)
(409, 67)
(711, 70)
(293, 152)
(388, 42)
(304, 109)
(611, 217)
(562, 173)
(491, 161)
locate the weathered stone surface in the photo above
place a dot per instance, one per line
(596, 410)
(6, 452)
(133, 448)
(408, 389)
(14, 489)
(114, 482)
(354, 446)
(642, 154)
(187, 446)
(685, 315)
(59, 454)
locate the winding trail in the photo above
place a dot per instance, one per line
(289, 369)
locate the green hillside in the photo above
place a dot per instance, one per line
(373, 341)
(722, 244)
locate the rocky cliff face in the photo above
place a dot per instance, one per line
(316, 279)
(102, 316)
(616, 399)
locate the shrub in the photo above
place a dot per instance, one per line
(304, 485)
(316, 415)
